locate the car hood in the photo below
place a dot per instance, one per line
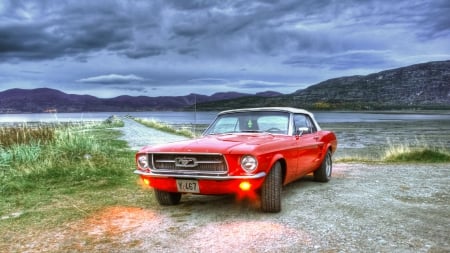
(223, 143)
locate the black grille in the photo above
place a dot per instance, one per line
(186, 164)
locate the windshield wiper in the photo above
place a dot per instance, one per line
(251, 131)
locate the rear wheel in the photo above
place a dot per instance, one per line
(167, 198)
(323, 173)
(271, 190)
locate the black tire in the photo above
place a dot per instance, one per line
(323, 173)
(167, 198)
(271, 190)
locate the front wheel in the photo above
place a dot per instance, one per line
(271, 190)
(323, 173)
(167, 198)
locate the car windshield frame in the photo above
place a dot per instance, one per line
(273, 122)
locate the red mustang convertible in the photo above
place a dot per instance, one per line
(244, 151)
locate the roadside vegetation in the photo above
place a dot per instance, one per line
(404, 153)
(416, 153)
(53, 174)
(161, 126)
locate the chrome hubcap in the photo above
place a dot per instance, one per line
(328, 165)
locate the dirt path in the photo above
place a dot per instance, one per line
(139, 136)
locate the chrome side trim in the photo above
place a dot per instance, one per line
(150, 174)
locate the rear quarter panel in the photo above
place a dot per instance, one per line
(329, 140)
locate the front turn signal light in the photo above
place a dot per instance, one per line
(245, 186)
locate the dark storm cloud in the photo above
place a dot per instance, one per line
(141, 30)
(31, 31)
(437, 22)
(144, 51)
(192, 4)
(172, 42)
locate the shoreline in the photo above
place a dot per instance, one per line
(363, 140)
(394, 111)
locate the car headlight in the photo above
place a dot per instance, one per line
(249, 163)
(142, 161)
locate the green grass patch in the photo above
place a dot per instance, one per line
(78, 171)
(425, 155)
(26, 134)
(412, 152)
(165, 127)
(408, 154)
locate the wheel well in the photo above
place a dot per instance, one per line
(283, 168)
(330, 148)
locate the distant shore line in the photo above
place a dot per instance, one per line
(395, 111)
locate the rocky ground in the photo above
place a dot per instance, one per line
(365, 208)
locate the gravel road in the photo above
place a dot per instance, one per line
(138, 136)
(364, 208)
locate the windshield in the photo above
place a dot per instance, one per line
(244, 122)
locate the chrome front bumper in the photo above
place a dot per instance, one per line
(208, 177)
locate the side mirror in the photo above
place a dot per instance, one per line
(302, 130)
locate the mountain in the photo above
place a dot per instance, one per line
(49, 100)
(420, 86)
(39, 100)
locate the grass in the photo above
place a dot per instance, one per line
(416, 153)
(50, 179)
(26, 134)
(413, 152)
(165, 127)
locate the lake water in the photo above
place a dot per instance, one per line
(207, 117)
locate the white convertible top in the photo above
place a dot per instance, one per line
(277, 109)
(274, 109)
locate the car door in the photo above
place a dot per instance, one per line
(308, 144)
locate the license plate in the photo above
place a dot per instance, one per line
(184, 185)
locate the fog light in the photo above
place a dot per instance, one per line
(146, 181)
(245, 186)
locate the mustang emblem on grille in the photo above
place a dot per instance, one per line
(185, 162)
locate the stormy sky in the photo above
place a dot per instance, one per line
(108, 48)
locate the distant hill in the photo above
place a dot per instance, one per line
(50, 100)
(420, 86)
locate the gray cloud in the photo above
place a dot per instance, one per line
(257, 84)
(112, 79)
(144, 51)
(208, 81)
(48, 31)
(174, 42)
(348, 60)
